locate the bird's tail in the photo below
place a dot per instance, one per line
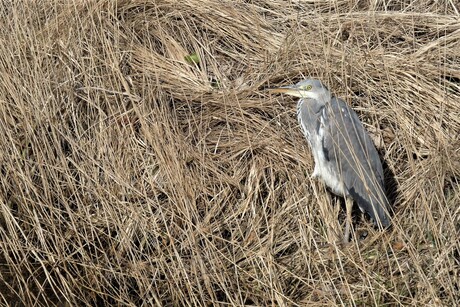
(376, 205)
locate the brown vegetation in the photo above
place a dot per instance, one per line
(136, 172)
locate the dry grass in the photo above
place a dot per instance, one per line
(130, 176)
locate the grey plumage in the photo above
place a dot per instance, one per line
(345, 157)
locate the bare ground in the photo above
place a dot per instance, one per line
(143, 161)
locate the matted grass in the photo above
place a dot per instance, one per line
(143, 162)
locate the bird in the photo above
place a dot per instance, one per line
(345, 158)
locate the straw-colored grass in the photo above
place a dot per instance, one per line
(133, 175)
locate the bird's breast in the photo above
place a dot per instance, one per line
(315, 125)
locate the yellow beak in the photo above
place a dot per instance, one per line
(288, 90)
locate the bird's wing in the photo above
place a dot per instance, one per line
(356, 160)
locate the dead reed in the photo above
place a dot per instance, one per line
(142, 162)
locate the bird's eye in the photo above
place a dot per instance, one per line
(308, 87)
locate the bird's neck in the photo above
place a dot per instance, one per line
(320, 98)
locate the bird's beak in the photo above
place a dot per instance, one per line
(289, 90)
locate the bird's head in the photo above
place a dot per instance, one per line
(308, 88)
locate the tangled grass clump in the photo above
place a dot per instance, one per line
(143, 162)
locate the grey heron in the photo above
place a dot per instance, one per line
(345, 157)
